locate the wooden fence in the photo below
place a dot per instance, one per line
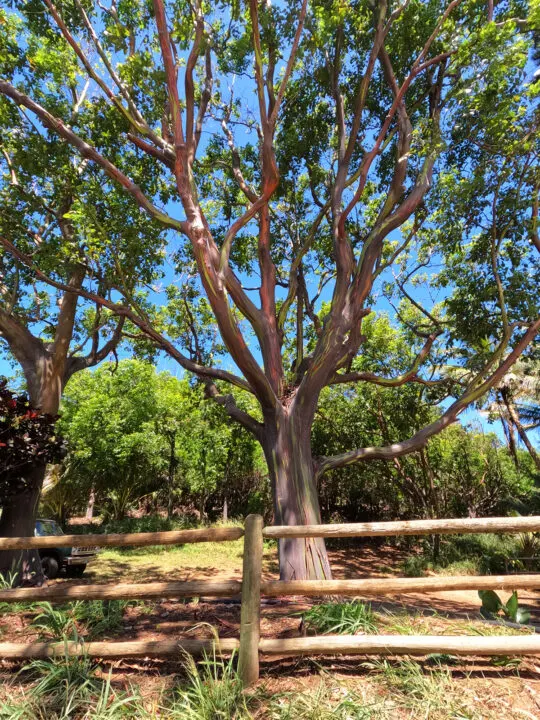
(250, 645)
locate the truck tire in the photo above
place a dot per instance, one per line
(50, 566)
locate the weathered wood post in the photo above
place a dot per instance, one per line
(250, 615)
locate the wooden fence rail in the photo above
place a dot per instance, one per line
(398, 586)
(530, 523)
(131, 649)
(403, 645)
(172, 537)
(125, 591)
(251, 588)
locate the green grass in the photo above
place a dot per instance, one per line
(212, 691)
(67, 688)
(100, 618)
(330, 700)
(55, 622)
(85, 618)
(424, 693)
(481, 554)
(141, 564)
(6, 583)
(342, 618)
(70, 688)
(405, 623)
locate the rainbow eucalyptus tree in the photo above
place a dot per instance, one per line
(301, 154)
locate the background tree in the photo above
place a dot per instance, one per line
(460, 473)
(517, 401)
(363, 115)
(56, 209)
(28, 441)
(133, 433)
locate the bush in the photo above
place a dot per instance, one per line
(27, 440)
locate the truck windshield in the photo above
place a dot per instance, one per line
(47, 527)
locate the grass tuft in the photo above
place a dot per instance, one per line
(426, 693)
(213, 692)
(329, 701)
(342, 618)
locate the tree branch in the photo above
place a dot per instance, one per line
(290, 64)
(228, 402)
(122, 310)
(420, 439)
(89, 152)
(410, 376)
(97, 354)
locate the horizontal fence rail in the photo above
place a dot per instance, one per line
(402, 645)
(169, 537)
(131, 649)
(529, 523)
(125, 591)
(397, 586)
(274, 588)
(321, 645)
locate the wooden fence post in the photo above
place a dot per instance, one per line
(250, 614)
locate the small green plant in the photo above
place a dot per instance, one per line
(92, 618)
(213, 692)
(492, 605)
(68, 689)
(342, 618)
(101, 617)
(112, 705)
(64, 684)
(506, 661)
(55, 623)
(7, 582)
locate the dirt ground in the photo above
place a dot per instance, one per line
(507, 691)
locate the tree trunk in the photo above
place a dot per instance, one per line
(514, 418)
(287, 448)
(18, 520)
(171, 474)
(90, 505)
(20, 511)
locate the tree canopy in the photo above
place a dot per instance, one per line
(313, 164)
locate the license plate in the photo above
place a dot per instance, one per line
(85, 551)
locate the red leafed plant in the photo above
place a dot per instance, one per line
(27, 439)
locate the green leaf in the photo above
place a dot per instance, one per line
(491, 602)
(511, 608)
